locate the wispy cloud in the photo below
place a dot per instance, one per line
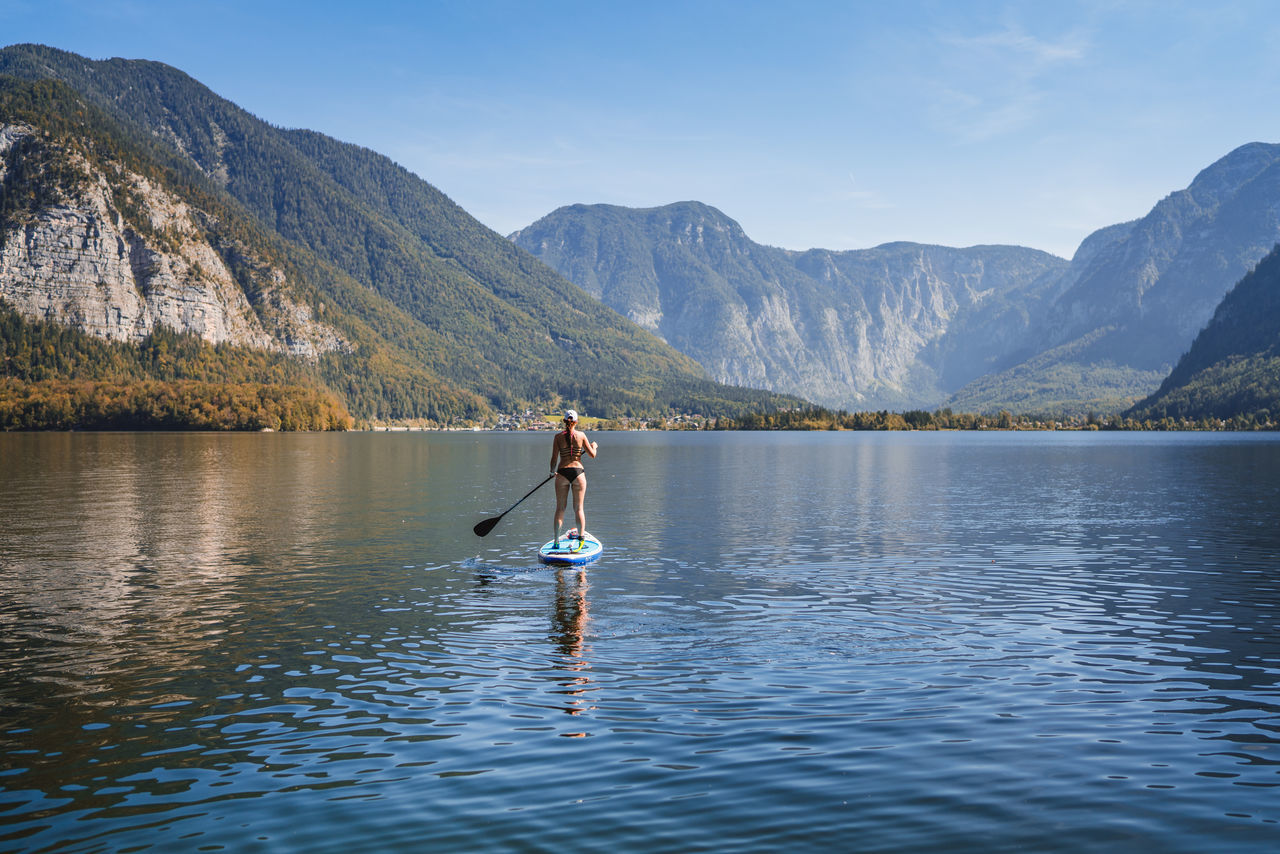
(1011, 45)
(996, 82)
(861, 198)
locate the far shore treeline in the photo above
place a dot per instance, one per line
(154, 405)
(54, 377)
(818, 418)
(194, 405)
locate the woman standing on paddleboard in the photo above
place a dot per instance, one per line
(567, 449)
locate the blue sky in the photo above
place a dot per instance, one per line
(839, 125)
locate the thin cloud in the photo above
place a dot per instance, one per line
(864, 199)
(1017, 45)
(996, 82)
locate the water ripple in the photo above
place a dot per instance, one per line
(945, 654)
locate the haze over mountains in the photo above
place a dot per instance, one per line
(133, 200)
(904, 325)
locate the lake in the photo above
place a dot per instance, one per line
(963, 642)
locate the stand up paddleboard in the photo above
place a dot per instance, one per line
(571, 551)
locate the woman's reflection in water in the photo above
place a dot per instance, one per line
(569, 623)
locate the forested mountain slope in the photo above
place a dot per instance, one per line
(97, 234)
(1233, 366)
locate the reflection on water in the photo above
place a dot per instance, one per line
(966, 642)
(569, 632)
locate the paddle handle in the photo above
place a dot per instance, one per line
(530, 492)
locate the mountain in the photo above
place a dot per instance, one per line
(898, 326)
(1233, 366)
(99, 236)
(135, 198)
(1136, 294)
(903, 325)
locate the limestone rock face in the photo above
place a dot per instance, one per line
(80, 262)
(908, 325)
(1158, 280)
(900, 325)
(1137, 294)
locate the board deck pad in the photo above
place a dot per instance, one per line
(570, 550)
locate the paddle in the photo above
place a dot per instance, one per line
(483, 528)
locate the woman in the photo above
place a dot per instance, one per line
(567, 449)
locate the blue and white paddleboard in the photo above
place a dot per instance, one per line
(571, 551)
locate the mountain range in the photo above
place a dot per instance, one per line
(134, 198)
(898, 326)
(136, 205)
(1137, 294)
(905, 325)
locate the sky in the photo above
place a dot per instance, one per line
(812, 123)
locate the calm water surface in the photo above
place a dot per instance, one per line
(863, 642)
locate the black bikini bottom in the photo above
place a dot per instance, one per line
(570, 474)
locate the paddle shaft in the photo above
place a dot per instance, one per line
(483, 528)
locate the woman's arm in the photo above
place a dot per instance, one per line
(589, 446)
(555, 454)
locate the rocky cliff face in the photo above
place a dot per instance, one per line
(1233, 366)
(1137, 294)
(903, 325)
(896, 326)
(80, 261)
(1164, 278)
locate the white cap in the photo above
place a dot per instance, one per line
(571, 415)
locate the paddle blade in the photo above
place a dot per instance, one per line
(486, 526)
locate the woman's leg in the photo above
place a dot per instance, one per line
(579, 497)
(562, 500)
